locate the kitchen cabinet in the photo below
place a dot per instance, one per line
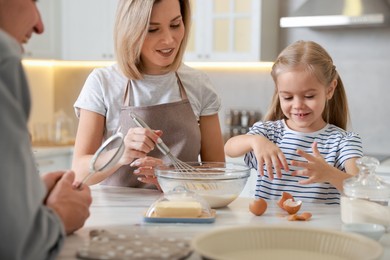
(87, 28)
(222, 30)
(233, 30)
(50, 159)
(48, 44)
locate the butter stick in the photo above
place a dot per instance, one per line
(178, 209)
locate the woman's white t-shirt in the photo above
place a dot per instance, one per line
(104, 89)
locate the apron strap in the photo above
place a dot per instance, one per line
(126, 97)
(183, 93)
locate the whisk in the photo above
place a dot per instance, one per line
(179, 165)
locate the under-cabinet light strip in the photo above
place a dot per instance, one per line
(199, 65)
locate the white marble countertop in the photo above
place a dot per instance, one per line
(121, 209)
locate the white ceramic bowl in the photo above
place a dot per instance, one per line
(217, 182)
(374, 231)
(288, 242)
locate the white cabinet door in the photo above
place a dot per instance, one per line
(233, 30)
(54, 163)
(48, 44)
(87, 27)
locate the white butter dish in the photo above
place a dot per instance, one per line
(180, 206)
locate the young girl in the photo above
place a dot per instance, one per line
(302, 147)
(178, 102)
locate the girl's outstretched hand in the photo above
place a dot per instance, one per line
(270, 155)
(316, 168)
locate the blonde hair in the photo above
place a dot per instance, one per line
(130, 30)
(314, 59)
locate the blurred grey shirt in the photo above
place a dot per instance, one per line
(28, 229)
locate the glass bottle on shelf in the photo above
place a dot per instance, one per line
(244, 119)
(63, 129)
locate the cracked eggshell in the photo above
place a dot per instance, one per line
(292, 206)
(285, 196)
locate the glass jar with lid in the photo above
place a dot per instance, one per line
(63, 129)
(366, 197)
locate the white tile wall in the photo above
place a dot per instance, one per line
(362, 57)
(242, 90)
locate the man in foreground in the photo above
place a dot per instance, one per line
(36, 214)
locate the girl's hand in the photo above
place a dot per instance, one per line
(145, 169)
(138, 143)
(269, 154)
(316, 168)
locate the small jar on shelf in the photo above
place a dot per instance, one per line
(238, 121)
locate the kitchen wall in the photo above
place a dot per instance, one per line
(361, 56)
(41, 79)
(242, 90)
(56, 88)
(68, 82)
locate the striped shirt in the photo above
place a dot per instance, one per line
(335, 145)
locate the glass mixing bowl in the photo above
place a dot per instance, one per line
(218, 183)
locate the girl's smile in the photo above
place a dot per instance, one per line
(301, 115)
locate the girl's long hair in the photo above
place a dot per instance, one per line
(313, 58)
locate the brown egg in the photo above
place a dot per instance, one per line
(258, 206)
(292, 206)
(285, 196)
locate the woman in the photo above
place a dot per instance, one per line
(151, 81)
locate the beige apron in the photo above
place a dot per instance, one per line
(181, 133)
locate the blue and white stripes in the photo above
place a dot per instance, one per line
(335, 145)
